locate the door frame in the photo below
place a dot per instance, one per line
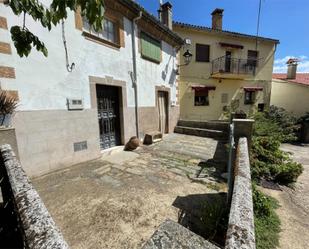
(122, 93)
(168, 94)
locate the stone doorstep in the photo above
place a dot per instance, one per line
(153, 137)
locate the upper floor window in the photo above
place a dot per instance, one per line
(202, 53)
(109, 31)
(150, 48)
(252, 58)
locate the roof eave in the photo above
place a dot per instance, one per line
(137, 8)
(229, 33)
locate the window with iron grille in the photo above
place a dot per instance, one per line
(201, 98)
(202, 53)
(224, 98)
(150, 48)
(109, 31)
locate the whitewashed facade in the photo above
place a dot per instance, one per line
(46, 130)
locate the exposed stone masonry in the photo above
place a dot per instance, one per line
(38, 227)
(240, 232)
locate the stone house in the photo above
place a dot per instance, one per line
(291, 90)
(229, 71)
(110, 86)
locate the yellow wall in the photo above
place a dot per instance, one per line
(199, 73)
(292, 97)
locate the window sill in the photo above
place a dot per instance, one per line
(151, 60)
(99, 40)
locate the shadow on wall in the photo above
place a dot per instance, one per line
(205, 215)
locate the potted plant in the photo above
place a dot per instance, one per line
(8, 105)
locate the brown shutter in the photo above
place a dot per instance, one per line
(202, 52)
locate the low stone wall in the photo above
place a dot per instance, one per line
(240, 232)
(35, 223)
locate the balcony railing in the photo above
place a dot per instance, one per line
(234, 66)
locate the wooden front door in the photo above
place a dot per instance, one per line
(108, 115)
(163, 111)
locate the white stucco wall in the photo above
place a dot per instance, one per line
(44, 83)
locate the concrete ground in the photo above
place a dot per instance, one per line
(294, 210)
(119, 200)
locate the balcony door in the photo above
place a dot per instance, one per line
(228, 61)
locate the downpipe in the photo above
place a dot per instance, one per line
(134, 73)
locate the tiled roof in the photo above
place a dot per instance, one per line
(151, 18)
(301, 78)
(225, 32)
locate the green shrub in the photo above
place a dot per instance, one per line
(266, 221)
(288, 172)
(267, 160)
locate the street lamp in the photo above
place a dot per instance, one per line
(188, 57)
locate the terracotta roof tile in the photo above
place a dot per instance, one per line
(301, 78)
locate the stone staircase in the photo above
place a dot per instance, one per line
(213, 129)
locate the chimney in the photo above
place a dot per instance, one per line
(217, 16)
(292, 68)
(166, 15)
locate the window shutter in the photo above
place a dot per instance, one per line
(202, 52)
(150, 48)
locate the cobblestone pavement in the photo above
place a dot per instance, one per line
(294, 204)
(119, 200)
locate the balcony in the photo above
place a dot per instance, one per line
(227, 67)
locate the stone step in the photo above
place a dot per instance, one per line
(215, 134)
(211, 125)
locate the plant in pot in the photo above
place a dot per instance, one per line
(8, 105)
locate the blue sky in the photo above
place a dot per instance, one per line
(286, 20)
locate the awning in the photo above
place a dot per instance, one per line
(202, 88)
(230, 45)
(253, 89)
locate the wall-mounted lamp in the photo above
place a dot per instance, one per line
(188, 57)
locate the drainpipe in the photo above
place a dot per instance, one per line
(134, 74)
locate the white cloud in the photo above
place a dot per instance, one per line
(281, 67)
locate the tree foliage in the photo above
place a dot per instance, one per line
(267, 160)
(24, 40)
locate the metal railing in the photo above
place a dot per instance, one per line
(230, 65)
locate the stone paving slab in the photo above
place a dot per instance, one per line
(119, 204)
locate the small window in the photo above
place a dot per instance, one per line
(252, 58)
(224, 98)
(108, 33)
(201, 99)
(249, 97)
(202, 53)
(261, 107)
(150, 48)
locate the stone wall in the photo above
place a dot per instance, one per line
(240, 232)
(37, 226)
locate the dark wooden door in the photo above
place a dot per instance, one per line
(108, 114)
(228, 60)
(163, 112)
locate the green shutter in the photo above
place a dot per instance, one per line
(151, 48)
